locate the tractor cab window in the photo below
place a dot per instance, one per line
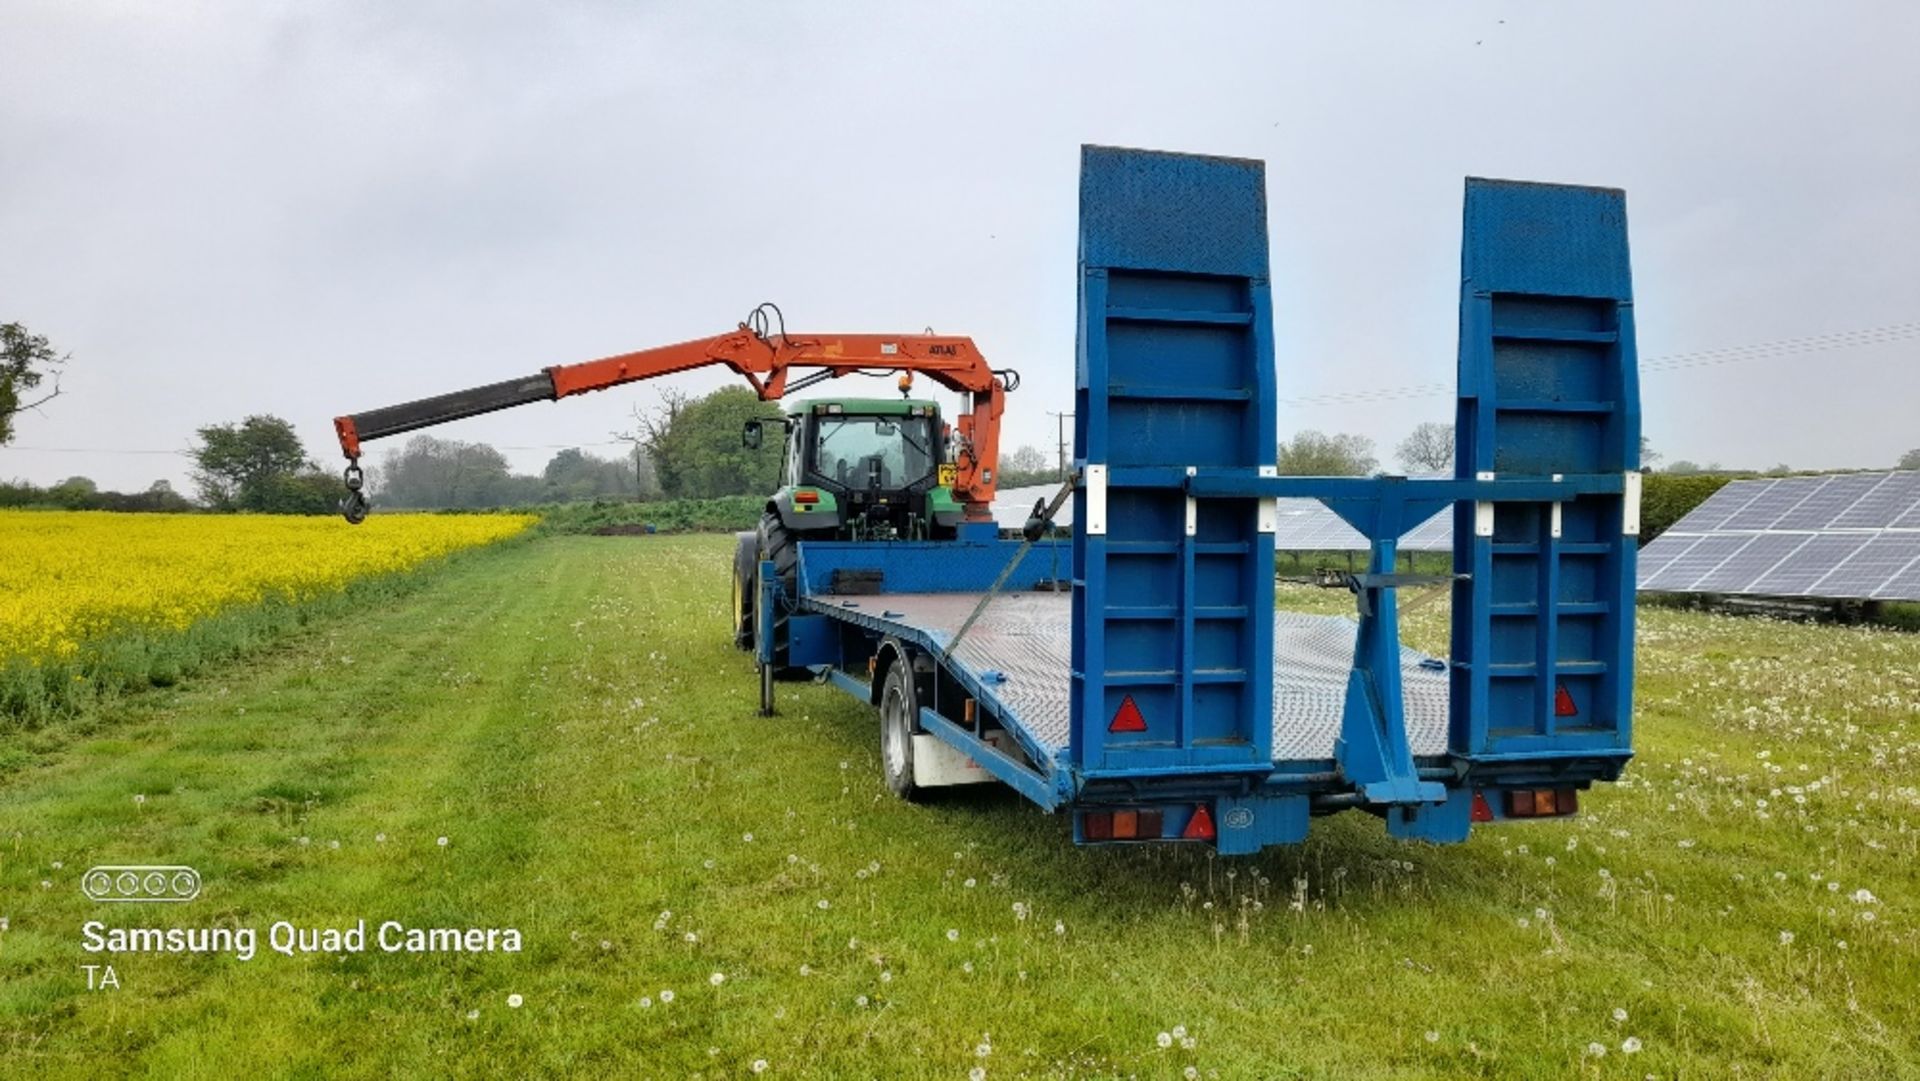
(872, 452)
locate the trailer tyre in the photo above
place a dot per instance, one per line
(746, 570)
(899, 722)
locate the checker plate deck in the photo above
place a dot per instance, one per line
(1027, 638)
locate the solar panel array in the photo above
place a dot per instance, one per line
(1303, 525)
(1843, 536)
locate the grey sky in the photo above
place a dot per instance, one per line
(311, 209)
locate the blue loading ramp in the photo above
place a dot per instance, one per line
(1172, 597)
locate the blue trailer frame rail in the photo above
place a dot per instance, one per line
(1180, 705)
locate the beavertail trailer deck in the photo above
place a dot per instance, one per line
(1138, 675)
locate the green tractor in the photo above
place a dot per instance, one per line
(853, 469)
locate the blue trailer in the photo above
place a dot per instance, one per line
(1138, 676)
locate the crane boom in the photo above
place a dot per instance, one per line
(764, 360)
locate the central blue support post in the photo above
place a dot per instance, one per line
(1373, 750)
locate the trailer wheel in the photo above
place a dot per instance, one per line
(899, 721)
(746, 568)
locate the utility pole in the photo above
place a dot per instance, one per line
(1061, 419)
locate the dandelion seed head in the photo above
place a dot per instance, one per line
(1630, 1045)
(1165, 1040)
(1619, 1013)
(717, 978)
(442, 842)
(1432, 1036)
(514, 1000)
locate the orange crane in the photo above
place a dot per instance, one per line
(764, 357)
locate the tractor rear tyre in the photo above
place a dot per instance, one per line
(746, 571)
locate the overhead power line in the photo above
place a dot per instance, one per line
(1739, 354)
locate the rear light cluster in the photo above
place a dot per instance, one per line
(1144, 824)
(1542, 802)
(1123, 825)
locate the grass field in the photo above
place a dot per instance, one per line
(555, 736)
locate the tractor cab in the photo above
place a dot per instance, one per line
(864, 469)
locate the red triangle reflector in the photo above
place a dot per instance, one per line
(1127, 718)
(1563, 702)
(1200, 826)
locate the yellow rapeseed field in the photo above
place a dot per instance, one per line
(67, 577)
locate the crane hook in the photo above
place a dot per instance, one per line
(354, 506)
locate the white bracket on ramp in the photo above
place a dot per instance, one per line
(1096, 499)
